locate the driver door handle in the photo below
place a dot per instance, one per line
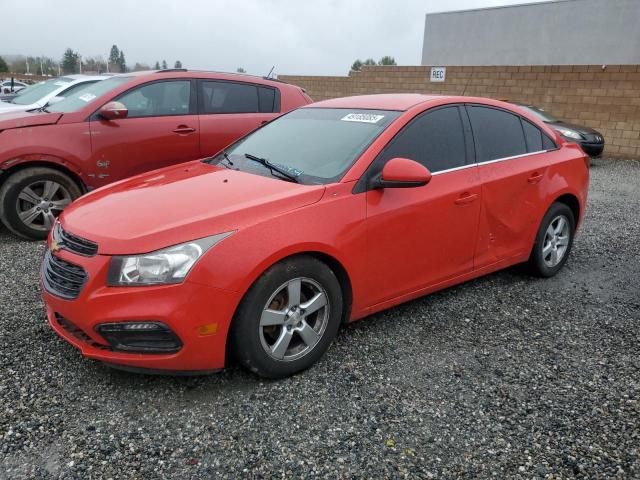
(466, 198)
(183, 130)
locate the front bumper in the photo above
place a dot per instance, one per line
(199, 315)
(592, 149)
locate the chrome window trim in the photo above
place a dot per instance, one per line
(488, 162)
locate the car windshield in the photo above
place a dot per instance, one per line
(316, 145)
(540, 113)
(84, 96)
(36, 92)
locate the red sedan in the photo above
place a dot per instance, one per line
(324, 216)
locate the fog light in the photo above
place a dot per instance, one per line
(140, 337)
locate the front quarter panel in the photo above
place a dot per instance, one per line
(68, 145)
(333, 226)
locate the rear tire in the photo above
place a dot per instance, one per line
(32, 198)
(553, 241)
(288, 318)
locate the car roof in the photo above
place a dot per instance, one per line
(387, 101)
(184, 73)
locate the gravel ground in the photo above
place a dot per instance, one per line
(505, 376)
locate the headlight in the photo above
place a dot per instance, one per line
(568, 133)
(166, 266)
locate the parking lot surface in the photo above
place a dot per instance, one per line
(505, 376)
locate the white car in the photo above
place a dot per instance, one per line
(50, 91)
(5, 87)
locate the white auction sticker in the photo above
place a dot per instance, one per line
(87, 97)
(362, 117)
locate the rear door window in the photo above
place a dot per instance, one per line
(497, 134)
(435, 139)
(218, 96)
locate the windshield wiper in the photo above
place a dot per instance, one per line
(226, 158)
(273, 168)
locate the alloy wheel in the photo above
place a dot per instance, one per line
(40, 202)
(294, 319)
(556, 241)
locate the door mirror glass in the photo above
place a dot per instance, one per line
(402, 173)
(113, 111)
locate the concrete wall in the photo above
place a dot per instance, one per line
(608, 100)
(566, 32)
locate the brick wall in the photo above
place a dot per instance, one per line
(607, 100)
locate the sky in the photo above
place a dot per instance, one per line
(305, 37)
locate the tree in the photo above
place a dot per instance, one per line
(141, 67)
(178, 64)
(387, 60)
(357, 65)
(369, 61)
(94, 64)
(241, 70)
(157, 65)
(70, 61)
(122, 63)
(164, 65)
(3, 65)
(114, 55)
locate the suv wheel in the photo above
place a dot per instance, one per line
(288, 318)
(31, 199)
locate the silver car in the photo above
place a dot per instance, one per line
(48, 92)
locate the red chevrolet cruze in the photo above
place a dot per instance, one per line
(326, 215)
(123, 126)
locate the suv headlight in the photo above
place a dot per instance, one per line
(166, 266)
(565, 132)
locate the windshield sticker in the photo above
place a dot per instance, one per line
(87, 97)
(362, 117)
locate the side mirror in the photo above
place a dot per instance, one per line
(113, 111)
(402, 173)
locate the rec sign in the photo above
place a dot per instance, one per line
(438, 74)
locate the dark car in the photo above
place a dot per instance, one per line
(591, 141)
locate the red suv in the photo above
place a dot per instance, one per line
(123, 126)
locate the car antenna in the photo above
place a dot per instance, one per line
(270, 71)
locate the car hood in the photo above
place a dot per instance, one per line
(25, 119)
(6, 107)
(180, 203)
(573, 126)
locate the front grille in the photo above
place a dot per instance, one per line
(73, 243)
(61, 278)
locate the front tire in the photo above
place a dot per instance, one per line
(553, 241)
(31, 199)
(288, 318)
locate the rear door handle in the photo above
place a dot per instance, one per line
(183, 130)
(535, 178)
(466, 198)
